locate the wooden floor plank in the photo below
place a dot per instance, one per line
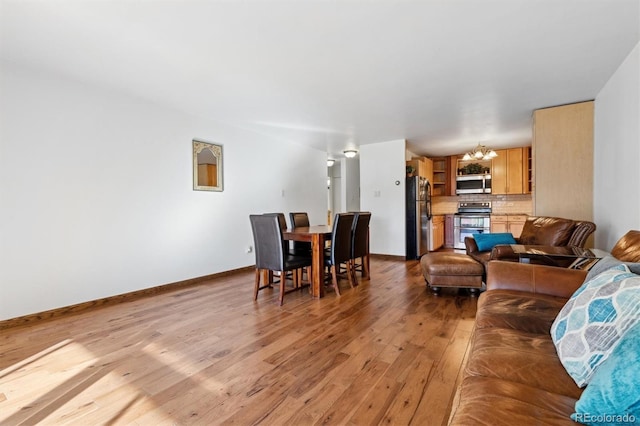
(387, 351)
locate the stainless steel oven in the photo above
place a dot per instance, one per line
(472, 218)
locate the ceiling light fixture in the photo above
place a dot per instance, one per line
(330, 162)
(350, 153)
(480, 152)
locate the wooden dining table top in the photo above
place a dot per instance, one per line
(315, 229)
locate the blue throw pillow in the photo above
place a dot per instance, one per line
(488, 241)
(613, 394)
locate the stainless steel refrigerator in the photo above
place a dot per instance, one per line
(418, 217)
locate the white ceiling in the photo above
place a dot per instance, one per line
(444, 75)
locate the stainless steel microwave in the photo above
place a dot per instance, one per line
(473, 184)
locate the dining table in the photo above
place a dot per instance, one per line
(317, 235)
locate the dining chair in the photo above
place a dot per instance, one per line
(287, 249)
(340, 251)
(300, 220)
(282, 221)
(300, 248)
(360, 244)
(270, 254)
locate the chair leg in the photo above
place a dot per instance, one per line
(282, 281)
(299, 276)
(268, 277)
(334, 277)
(351, 274)
(257, 285)
(365, 266)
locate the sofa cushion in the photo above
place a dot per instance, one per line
(518, 310)
(519, 357)
(590, 325)
(487, 401)
(489, 240)
(546, 231)
(615, 386)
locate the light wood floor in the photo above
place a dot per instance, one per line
(386, 352)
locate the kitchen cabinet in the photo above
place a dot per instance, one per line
(515, 225)
(440, 180)
(528, 171)
(444, 175)
(499, 223)
(508, 223)
(423, 167)
(507, 171)
(472, 167)
(563, 161)
(448, 231)
(437, 234)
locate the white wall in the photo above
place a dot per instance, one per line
(96, 193)
(381, 165)
(617, 154)
(352, 183)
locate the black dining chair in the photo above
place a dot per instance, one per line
(270, 254)
(287, 250)
(300, 220)
(282, 221)
(300, 248)
(360, 244)
(340, 251)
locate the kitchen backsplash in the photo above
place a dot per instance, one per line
(500, 204)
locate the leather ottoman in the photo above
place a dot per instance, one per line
(450, 269)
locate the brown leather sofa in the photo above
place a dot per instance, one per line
(513, 375)
(537, 230)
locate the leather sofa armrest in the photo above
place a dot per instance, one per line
(531, 278)
(470, 245)
(503, 252)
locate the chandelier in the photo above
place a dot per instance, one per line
(480, 152)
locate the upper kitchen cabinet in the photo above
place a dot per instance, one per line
(423, 167)
(441, 183)
(508, 171)
(563, 161)
(528, 171)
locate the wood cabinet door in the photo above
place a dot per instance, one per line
(438, 235)
(499, 223)
(428, 169)
(515, 225)
(448, 231)
(514, 171)
(515, 228)
(499, 173)
(507, 172)
(499, 227)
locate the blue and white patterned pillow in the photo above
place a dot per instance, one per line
(591, 323)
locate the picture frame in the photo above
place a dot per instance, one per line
(207, 166)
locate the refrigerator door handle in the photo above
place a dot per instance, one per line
(428, 200)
